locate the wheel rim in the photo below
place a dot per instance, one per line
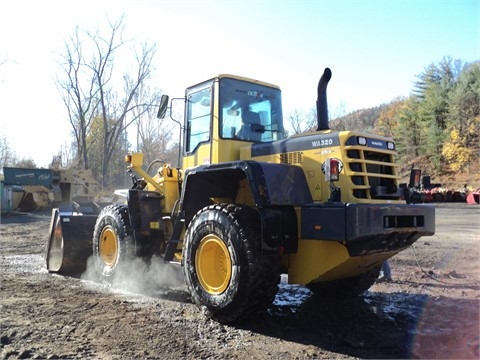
(213, 264)
(108, 246)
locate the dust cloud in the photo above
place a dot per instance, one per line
(152, 278)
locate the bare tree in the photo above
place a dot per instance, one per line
(63, 158)
(91, 88)
(155, 137)
(7, 156)
(301, 122)
(79, 94)
(26, 163)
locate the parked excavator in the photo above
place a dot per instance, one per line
(249, 204)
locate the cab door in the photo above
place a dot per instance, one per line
(198, 129)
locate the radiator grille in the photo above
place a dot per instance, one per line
(291, 158)
(372, 174)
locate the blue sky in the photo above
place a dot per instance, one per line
(374, 48)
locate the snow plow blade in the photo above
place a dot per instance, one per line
(70, 242)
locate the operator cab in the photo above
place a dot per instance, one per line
(227, 111)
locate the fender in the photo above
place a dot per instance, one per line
(274, 190)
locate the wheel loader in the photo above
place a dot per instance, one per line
(249, 204)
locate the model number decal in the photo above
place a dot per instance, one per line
(322, 142)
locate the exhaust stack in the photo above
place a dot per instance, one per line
(322, 108)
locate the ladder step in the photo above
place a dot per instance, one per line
(174, 238)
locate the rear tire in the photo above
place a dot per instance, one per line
(224, 269)
(112, 240)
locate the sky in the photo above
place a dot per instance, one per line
(374, 48)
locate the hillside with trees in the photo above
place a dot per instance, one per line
(436, 128)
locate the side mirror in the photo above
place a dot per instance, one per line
(162, 109)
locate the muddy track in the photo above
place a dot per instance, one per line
(430, 310)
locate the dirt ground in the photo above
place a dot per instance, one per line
(429, 310)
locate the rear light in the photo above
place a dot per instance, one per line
(332, 168)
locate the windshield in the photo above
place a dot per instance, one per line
(250, 112)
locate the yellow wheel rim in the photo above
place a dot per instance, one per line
(108, 246)
(213, 264)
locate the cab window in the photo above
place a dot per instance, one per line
(250, 112)
(198, 118)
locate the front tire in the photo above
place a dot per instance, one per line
(112, 240)
(224, 269)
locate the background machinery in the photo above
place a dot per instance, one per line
(27, 189)
(250, 204)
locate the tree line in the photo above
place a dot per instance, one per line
(439, 123)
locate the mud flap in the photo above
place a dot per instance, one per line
(70, 242)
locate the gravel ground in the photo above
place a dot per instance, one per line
(429, 310)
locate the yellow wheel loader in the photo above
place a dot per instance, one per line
(250, 204)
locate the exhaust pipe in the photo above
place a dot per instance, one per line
(322, 108)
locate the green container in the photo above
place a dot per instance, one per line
(22, 176)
